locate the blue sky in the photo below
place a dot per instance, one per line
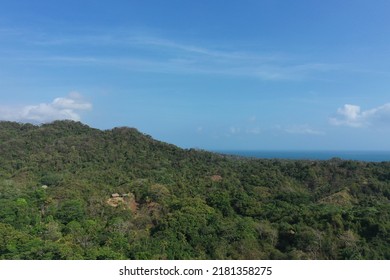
(248, 74)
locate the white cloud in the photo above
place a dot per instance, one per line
(353, 116)
(61, 108)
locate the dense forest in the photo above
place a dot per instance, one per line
(68, 191)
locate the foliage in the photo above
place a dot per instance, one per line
(68, 191)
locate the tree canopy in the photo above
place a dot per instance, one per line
(68, 191)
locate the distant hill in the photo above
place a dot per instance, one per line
(68, 191)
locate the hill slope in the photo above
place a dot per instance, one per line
(68, 191)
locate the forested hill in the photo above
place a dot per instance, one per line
(68, 191)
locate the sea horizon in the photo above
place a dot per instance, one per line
(367, 156)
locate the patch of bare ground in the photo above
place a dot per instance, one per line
(127, 201)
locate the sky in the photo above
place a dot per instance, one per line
(216, 75)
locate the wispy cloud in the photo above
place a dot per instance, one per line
(244, 129)
(60, 108)
(234, 130)
(265, 66)
(303, 129)
(145, 53)
(293, 72)
(199, 129)
(149, 42)
(353, 116)
(254, 130)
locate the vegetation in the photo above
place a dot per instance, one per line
(68, 191)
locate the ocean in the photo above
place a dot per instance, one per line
(369, 156)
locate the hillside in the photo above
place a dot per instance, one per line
(68, 191)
